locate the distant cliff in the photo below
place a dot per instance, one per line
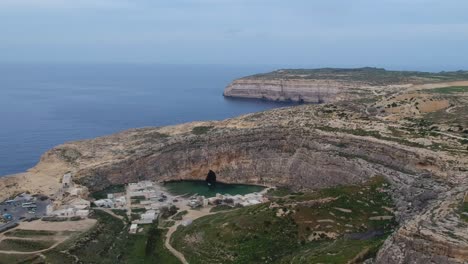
(329, 84)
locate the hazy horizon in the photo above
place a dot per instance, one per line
(394, 34)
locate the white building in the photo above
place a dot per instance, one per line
(143, 185)
(108, 203)
(120, 201)
(49, 209)
(79, 203)
(82, 213)
(67, 180)
(133, 228)
(147, 218)
(70, 212)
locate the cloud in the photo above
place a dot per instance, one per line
(64, 4)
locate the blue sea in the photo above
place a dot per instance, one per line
(42, 106)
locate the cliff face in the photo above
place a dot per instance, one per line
(296, 90)
(330, 85)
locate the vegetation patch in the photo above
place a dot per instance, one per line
(369, 75)
(332, 225)
(464, 209)
(450, 90)
(25, 245)
(179, 215)
(221, 207)
(137, 199)
(149, 248)
(138, 210)
(167, 224)
(279, 191)
(200, 130)
(121, 212)
(30, 233)
(16, 258)
(370, 133)
(118, 188)
(109, 242)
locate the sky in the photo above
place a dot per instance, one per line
(405, 34)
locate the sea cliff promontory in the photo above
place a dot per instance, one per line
(331, 84)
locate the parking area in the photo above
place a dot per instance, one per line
(23, 207)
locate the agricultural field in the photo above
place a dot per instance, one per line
(335, 225)
(450, 90)
(109, 242)
(16, 258)
(373, 76)
(22, 245)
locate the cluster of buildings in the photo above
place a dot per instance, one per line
(233, 200)
(145, 195)
(112, 201)
(74, 207)
(70, 202)
(148, 195)
(143, 198)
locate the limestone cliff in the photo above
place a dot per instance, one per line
(330, 85)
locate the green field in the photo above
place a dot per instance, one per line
(149, 248)
(29, 233)
(25, 245)
(109, 242)
(16, 258)
(373, 76)
(119, 188)
(331, 226)
(450, 90)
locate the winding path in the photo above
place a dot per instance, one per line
(192, 215)
(167, 243)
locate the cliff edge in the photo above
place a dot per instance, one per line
(331, 84)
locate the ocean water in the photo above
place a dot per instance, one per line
(42, 106)
(202, 188)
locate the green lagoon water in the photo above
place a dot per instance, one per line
(202, 188)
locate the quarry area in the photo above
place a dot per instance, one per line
(375, 174)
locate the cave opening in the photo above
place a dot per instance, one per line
(211, 178)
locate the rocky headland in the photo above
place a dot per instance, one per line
(331, 84)
(413, 135)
